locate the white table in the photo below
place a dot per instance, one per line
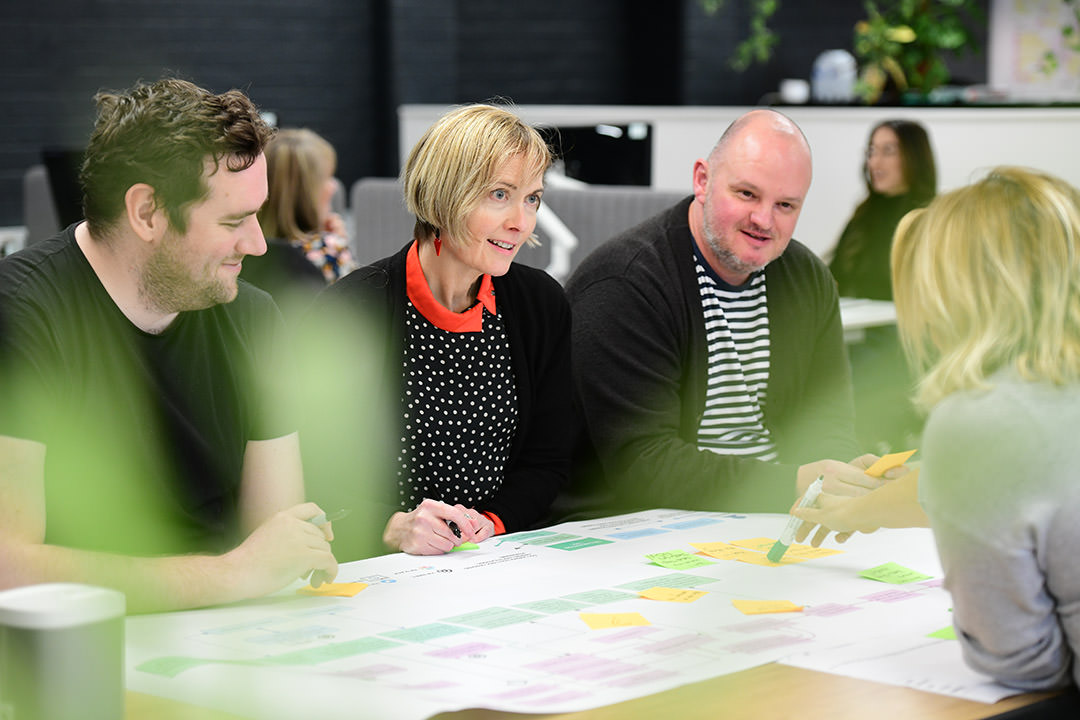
(857, 314)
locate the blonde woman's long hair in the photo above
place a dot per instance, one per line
(298, 163)
(987, 278)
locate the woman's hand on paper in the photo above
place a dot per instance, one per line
(429, 529)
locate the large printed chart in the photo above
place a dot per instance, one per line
(565, 619)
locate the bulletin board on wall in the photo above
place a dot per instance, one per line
(1032, 58)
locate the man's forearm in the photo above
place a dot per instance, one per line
(150, 584)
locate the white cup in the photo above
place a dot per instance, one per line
(62, 652)
(794, 91)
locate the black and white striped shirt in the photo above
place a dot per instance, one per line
(737, 333)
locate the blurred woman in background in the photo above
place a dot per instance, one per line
(900, 175)
(307, 245)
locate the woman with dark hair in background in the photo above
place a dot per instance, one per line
(900, 176)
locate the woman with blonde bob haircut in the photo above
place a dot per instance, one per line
(987, 283)
(479, 346)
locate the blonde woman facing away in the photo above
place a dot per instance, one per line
(477, 347)
(987, 287)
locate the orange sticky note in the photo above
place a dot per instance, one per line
(333, 589)
(888, 462)
(672, 594)
(761, 607)
(600, 621)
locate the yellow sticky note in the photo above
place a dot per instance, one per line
(600, 621)
(756, 558)
(888, 462)
(333, 589)
(761, 544)
(809, 552)
(672, 594)
(720, 550)
(761, 607)
(725, 551)
(754, 551)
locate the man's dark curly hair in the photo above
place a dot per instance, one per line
(162, 134)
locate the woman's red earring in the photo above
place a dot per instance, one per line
(438, 243)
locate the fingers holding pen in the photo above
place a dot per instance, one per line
(284, 547)
(324, 521)
(429, 529)
(841, 478)
(476, 526)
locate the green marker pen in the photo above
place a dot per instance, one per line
(776, 552)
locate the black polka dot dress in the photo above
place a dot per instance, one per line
(460, 411)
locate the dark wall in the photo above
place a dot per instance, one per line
(341, 67)
(311, 62)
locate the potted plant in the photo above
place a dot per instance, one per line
(901, 44)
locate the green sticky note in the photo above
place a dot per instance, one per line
(678, 560)
(580, 543)
(465, 546)
(890, 572)
(945, 633)
(170, 666)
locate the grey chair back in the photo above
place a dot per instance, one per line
(380, 225)
(40, 215)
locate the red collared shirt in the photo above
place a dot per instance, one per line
(416, 286)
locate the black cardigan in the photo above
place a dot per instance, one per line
(640, 366)
(537, 319)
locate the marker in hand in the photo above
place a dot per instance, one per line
(322, 518)
(454, 528)
(776, 552)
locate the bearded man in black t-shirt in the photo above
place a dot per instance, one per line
(140, 444)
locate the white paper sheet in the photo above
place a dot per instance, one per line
(499, 627)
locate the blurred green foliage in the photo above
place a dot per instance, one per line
(906, 41)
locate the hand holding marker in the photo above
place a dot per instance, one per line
(318, 577)
(776, 552)
(322, 518)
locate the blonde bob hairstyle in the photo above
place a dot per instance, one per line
(451, 168)
(986, 278)
(298, 164)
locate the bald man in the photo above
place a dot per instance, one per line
(709, 363)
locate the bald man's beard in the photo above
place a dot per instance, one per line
(724, 254)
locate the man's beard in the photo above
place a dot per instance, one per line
(168, 286)
(723, 254)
